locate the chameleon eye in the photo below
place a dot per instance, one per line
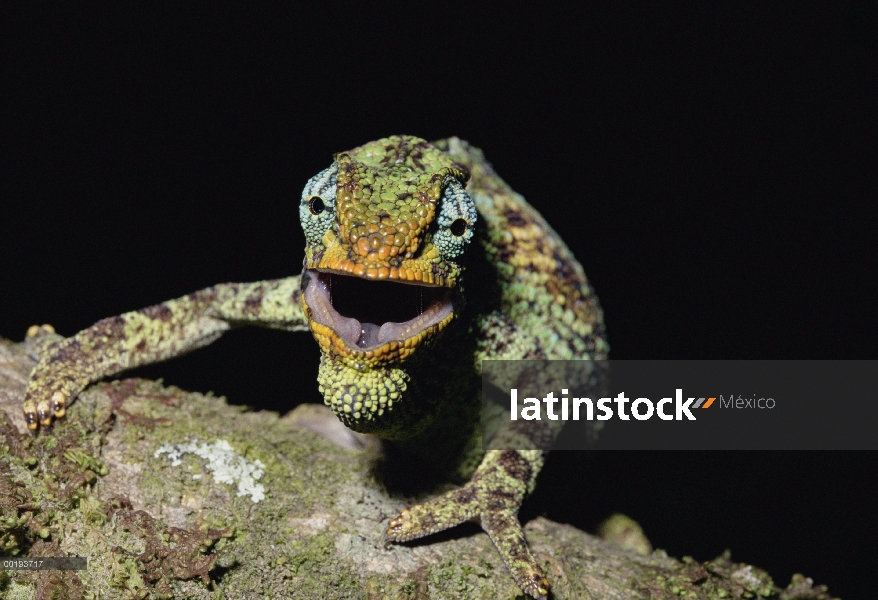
(316, 205)
(457, 217)
(458, 227)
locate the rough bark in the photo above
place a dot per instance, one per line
(93, 486)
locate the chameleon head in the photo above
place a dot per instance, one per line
(386, 226)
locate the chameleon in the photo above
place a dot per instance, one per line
(420, 263)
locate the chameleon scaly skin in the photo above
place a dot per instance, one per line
(420, 262)
(148, 335)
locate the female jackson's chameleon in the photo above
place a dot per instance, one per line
(389, 228)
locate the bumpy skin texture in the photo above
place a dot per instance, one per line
(486, 276)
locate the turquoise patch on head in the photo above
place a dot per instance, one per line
(456, 204)
(322, 185)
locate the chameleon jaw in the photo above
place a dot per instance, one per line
(364, 319)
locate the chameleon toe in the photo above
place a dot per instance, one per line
(59, 402)
(396, 527)
(35, 330)
(538, 587)
(435, 515)
(30, 418)
(44, 414)
(29, 408)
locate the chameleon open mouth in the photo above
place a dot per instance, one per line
(369, 314)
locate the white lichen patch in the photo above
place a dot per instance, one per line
(746, 575)
(311, 525)
(226, 465)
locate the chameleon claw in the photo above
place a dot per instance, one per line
(30, 414)
(397, 522)
(44, 412)
(535, 585)
(35, 330)
(59, 404)
(538, 587)
(398, 529)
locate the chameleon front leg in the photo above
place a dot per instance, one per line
(495, 492)
(492, 498)
(67, 365)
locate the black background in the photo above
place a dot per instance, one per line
(708, 167)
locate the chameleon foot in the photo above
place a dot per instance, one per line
(39, 341)
(42, 410)
(495, 511)
(505, 531)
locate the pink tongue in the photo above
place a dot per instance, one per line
(389, 331)
(348, 328)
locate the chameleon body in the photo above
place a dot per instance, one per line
(420, 263)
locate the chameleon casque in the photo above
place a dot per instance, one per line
(390, 228)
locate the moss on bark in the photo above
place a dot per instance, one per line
(93, 486)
